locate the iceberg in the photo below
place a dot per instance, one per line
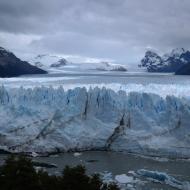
(123, 179)
(43, 120)
(163, 178)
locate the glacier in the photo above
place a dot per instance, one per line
(47, 119)
(58, 64)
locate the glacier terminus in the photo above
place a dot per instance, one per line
(46, 119)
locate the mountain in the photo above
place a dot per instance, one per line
(11, 66)
(171, 62)
(151, 58)
(184, 70)
(47, 61)
(55, 119)
(55, 63)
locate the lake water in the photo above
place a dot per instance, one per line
(120, 163)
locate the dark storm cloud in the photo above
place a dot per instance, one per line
(116, 29)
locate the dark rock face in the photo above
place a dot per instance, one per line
(184, 70)
(150, 58)
(60, 63)
(171, 62)
(11, 66)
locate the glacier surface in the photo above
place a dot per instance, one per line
(58, 64)
(45, 120)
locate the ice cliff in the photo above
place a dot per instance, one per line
(47, 120)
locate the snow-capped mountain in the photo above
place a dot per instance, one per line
(48, 120)
(11, 66)
(151, 59)
(54, 63)
(47, 61)
(170, 62)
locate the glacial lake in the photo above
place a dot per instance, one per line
(120, 163)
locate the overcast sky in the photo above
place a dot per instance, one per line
(119, 30)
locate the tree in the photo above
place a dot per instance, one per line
(49, 182)
(18, 174)
(75, 178)
(95, 182)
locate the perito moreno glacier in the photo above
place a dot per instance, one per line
(47, 120)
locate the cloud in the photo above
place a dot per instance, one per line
(120, 30)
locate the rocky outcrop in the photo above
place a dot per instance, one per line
(60, 63)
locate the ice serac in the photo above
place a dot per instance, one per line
(47, 120)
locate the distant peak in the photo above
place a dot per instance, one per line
(151, 53)
(3, 49)
(178, 51)
(5, 52)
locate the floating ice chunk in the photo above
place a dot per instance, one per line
(107, 177)
(34, 154)
(163, 178)
(76, 154)
(132, 173)
(123, 178)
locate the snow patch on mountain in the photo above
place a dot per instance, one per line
(48, 120)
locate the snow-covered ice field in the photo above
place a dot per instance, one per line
(161, 84)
